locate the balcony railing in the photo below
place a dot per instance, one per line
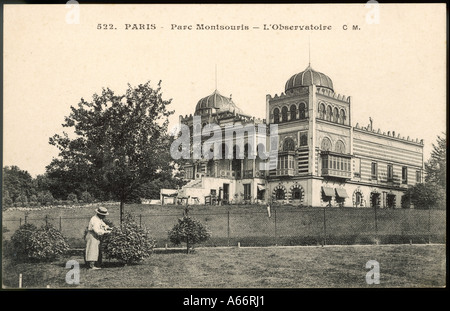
(336, 173)
(285, 172)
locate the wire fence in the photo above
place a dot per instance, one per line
(302, 226)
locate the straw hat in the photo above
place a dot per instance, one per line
(102, 211)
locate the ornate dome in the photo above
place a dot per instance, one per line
(309, 77)
(216, 103)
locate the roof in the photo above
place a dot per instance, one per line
(216, 103)
(308, 77)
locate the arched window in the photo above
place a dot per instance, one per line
(335, 115)
(279, 194)
(339, 147)
(322, 111)
(329, 113)
(224, 150)
(293, 112)
(236, 162)
(260, 151)
(358, 199)
(302, 111)
(296, 194)
(342, 116)
(276, 115)
(289, 144)
(326, 144)
(284, 114)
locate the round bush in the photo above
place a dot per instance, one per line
(189, 231)
(30, 243)
(128, 243)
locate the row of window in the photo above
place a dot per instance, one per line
(330, 114)
(336, 163)
(327, 146)
(291, 114)
(289, 143)
(390, 173)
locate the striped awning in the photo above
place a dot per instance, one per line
(329, 192)
(341, 193)
(261, 187)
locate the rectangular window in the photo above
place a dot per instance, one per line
(418, 176)
(325, 163)
(247, 191)
(404, 175)
(390, 172)
(357, 167)
(303, 139)
(374, 170)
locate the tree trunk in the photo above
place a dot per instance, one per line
(121, 211)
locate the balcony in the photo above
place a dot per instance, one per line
(329, 172)
(248, 173)
(285, 172)
(336, 165)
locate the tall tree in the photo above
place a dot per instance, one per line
(436, 166)
(120, 141)
(17, 182)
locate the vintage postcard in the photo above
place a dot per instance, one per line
(224, 146)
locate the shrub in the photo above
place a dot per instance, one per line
(30, 243)
(22, 199)
(86, 197)
(33, 199)
(7, 201)
(72, 197)
(189, 231)
(128, 243)
(45, 198)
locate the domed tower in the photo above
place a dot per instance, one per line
(216, 103)
(308, 77)
(314, 128)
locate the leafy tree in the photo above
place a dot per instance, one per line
(119, 143)
(190, 231)
(22, 198)
(45, 198)
(425, 196)
(436, 166)
(17, 182)
(7, 201)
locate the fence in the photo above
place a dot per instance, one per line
(299, 226)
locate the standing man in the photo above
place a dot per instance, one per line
(95, 230)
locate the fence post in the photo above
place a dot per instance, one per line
(275, 219)
(60, 223)
(376, 225)
(140, 220)
(429, 225)
(324, 226)
(228, 228)
(26, 216)
(46, 220)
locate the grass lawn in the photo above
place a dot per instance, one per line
(272, 267)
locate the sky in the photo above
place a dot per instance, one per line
(394, 70)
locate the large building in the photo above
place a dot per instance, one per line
(323, 158)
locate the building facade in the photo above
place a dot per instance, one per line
(322, 158)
